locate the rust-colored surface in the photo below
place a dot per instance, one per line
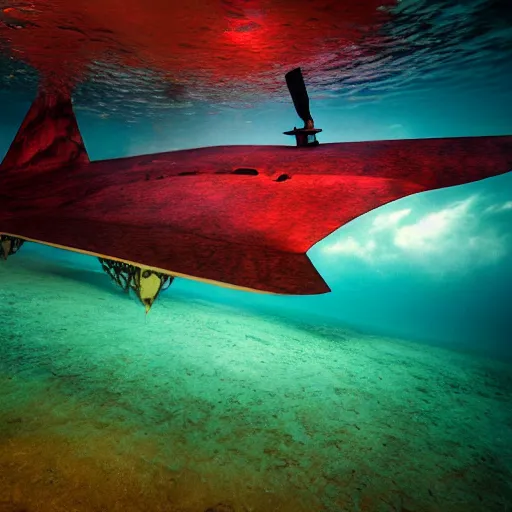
(48, 136)
(237, 215)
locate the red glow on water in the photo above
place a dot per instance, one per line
(228, 39)
(244, 33)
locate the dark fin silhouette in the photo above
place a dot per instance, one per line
(48, 138)
(299, 93)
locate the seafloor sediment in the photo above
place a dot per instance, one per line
(204, 407)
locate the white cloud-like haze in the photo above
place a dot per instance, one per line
(456, 238)
(388, 220)
(351, 246)
(434, 230)
(498, 208)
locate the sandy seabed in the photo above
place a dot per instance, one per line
(204, 407)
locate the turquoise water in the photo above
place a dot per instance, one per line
(392, 393)
(202, 404)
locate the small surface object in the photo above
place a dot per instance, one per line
(145, 283)
(9, 245)
(304, 137)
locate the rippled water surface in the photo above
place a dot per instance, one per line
(133, 55)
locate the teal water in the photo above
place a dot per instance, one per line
(209, 406)
(392, 393)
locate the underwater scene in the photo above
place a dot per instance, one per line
(255, 256)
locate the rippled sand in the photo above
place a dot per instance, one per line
(202, 407)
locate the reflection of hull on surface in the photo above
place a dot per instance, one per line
(241, 216)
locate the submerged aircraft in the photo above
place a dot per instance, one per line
(236, 216)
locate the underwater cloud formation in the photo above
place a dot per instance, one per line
(434, 230)
(497, 208)
(454, 239)
(352, 247)
(388, 220)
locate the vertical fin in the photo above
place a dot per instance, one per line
(48, 138)
(299, 94)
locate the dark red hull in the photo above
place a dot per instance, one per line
(192, 214)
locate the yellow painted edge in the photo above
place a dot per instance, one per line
(156, 269)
